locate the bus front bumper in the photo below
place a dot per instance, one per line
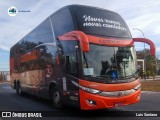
(90, 101)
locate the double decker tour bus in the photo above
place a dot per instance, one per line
(81, 56)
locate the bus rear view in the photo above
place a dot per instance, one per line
(88, 61)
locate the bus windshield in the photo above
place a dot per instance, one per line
(110, 63)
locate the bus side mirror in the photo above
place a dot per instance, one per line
(149, 42)
(77, 35)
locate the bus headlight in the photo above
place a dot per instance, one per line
(86, 89)
(137, 87)
(90, 90)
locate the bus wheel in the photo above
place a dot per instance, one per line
(18, 89)
(56, 99)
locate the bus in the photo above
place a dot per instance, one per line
(80, 56)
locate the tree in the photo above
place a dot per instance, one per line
(151, 63)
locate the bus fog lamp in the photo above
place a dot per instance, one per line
(92, 102)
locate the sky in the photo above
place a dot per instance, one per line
(141, 14)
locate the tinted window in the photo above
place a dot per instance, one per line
(100, 22)
(44, 33)
(70, 50)
(62, 22)
(50, 55)
(12, 52)
(72, 64)
(41, 34)
(69, 46)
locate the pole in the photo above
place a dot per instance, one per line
(144, 75)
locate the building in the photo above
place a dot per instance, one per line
(4, 76)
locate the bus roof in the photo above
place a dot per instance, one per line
(90, 20)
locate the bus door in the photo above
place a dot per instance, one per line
(70, 62)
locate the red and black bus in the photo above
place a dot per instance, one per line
(81, 56)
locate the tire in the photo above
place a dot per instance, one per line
(56, 98)
(18, 89)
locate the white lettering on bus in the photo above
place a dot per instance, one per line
(100, 22)
(89, 18)
(92, 24)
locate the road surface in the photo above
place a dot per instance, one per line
(10, 101)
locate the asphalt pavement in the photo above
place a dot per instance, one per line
(10, 101)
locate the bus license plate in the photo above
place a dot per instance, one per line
(119, 104)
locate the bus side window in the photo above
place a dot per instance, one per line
(71, 64)
(50, 56)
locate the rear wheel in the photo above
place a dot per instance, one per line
(56, 98)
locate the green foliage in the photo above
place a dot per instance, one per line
(141, 73)
(148, 73)
(150, 63)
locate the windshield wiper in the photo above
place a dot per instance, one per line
(103, 76)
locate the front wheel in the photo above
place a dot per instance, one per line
(56, 99)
